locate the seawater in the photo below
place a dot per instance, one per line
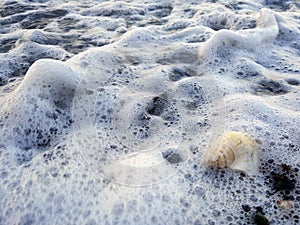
(107, 108)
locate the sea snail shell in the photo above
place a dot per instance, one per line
(234, 150)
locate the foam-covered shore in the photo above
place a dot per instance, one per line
(107, 109)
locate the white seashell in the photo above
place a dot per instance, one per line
(285, 204)
(234, 150)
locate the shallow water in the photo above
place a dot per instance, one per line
(108, 107)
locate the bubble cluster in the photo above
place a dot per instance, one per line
(114, 129)
(38, 111)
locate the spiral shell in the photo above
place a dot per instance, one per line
(234, 150)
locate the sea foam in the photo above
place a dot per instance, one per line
(107, 109)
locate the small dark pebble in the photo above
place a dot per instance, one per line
(260, 219)
(281, 182)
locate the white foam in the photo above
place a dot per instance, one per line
(224, 42)
(116, 133)
(36, 105)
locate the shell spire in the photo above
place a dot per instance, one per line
(234, 150)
